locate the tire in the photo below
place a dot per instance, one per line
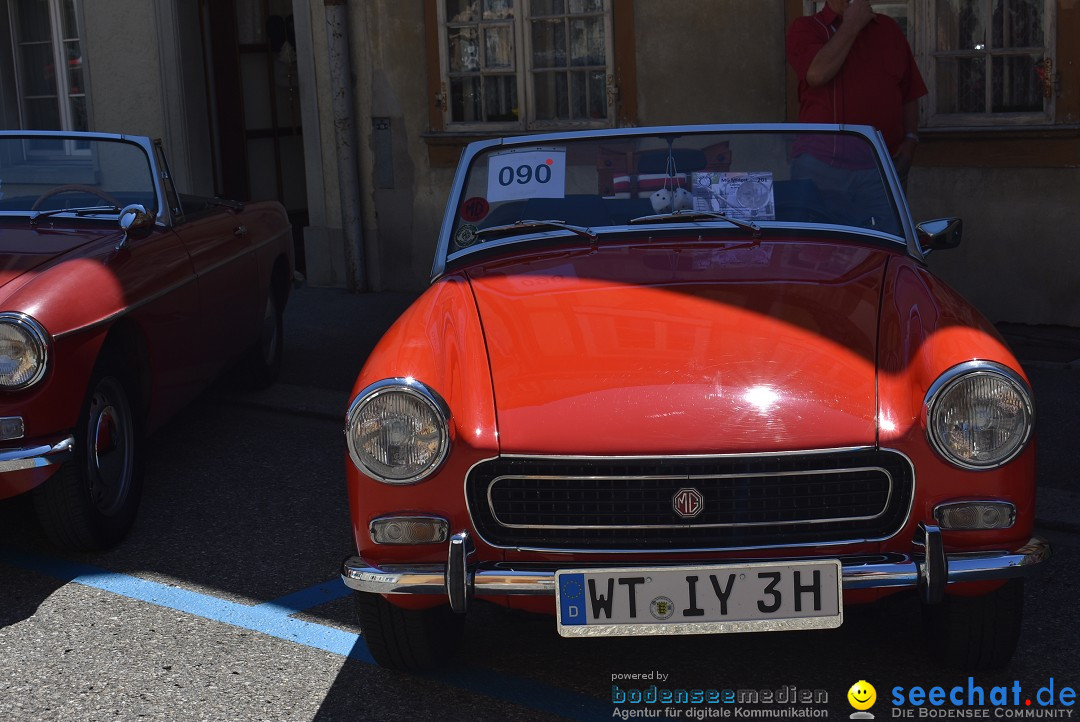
(411, 640)
(978, 633)
(262, 365)
(89, 504)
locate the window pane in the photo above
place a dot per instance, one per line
(464, 50)
(961, 24)
(547, 7)
(78, 113)
(499, 47)
(461, 11)
(587, 42)
(73, 53)
(498, 9)
(549, 44)
(42, 114)
(1017, 87)
(500, 98)
(578, 95)
(34, 24)
(961, 85)
(552, 102)
(1018, 23)
(38, 70)
(597, 95)
(465, 100)
(580, 7)
(69, 20)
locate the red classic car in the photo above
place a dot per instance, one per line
(689, 380)
(120, 300)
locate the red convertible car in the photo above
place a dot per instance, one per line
(120, 300)
(689, 380)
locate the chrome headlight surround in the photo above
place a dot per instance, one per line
(419, 414)
(1007, 389)
(31, 336)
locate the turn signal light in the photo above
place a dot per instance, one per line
(975, 515)
(409, 530)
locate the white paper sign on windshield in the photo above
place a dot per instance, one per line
(537, 173)
(748, 196)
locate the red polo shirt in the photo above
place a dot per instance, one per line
(878, 78)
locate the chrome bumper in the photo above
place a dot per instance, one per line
(35, 457)
(929, 571)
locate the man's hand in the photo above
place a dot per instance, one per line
(858, 14)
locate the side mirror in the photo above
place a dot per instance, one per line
(940, 234)
(133, 220)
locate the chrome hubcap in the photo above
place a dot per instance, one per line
(110, 446)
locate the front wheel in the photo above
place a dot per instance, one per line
(90, 502)
(978, 633)
(408, 639)
(262, 365)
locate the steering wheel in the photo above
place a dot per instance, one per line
(74, 188)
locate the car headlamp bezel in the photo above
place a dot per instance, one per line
(417, 390)
(36, 336)
(959, 374)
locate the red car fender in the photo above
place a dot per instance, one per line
(927, 328)
(438, 341)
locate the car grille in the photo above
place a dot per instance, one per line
(741, 501)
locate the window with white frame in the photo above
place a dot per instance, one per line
(50, 72)
(520, 64)
(985, 62)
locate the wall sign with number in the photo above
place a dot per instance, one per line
(537, 173)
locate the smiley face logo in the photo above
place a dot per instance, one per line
(862, 695)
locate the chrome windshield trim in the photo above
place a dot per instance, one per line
(872, 135)
(690, 479)
(534, 579)
(143, 142)
(36, 457)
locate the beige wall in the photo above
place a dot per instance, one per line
(702, 61)
(125, 76)
(1018, 258)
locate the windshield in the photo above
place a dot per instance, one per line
(608, 182)
(40, 174)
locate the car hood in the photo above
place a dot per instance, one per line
(639, 349)
(26, 249)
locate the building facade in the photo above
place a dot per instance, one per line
(353, 112)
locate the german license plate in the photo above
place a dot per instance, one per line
(761, 596)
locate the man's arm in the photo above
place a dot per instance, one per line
(828, 61)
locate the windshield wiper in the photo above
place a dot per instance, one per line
(520, 225)
(690, 215)
(82, 211)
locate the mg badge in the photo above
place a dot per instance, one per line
(688, 503)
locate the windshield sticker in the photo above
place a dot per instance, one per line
(746, 196)
(465, 236)
(475, 209)
(536, 173)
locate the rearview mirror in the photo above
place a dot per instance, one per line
(939, 234)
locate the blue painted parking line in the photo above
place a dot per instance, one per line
(272, 619)
(268, 620)
(307, 598)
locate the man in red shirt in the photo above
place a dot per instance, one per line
(856, 67)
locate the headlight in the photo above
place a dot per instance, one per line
(979, 414)
(397, 431)
(23, 351)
